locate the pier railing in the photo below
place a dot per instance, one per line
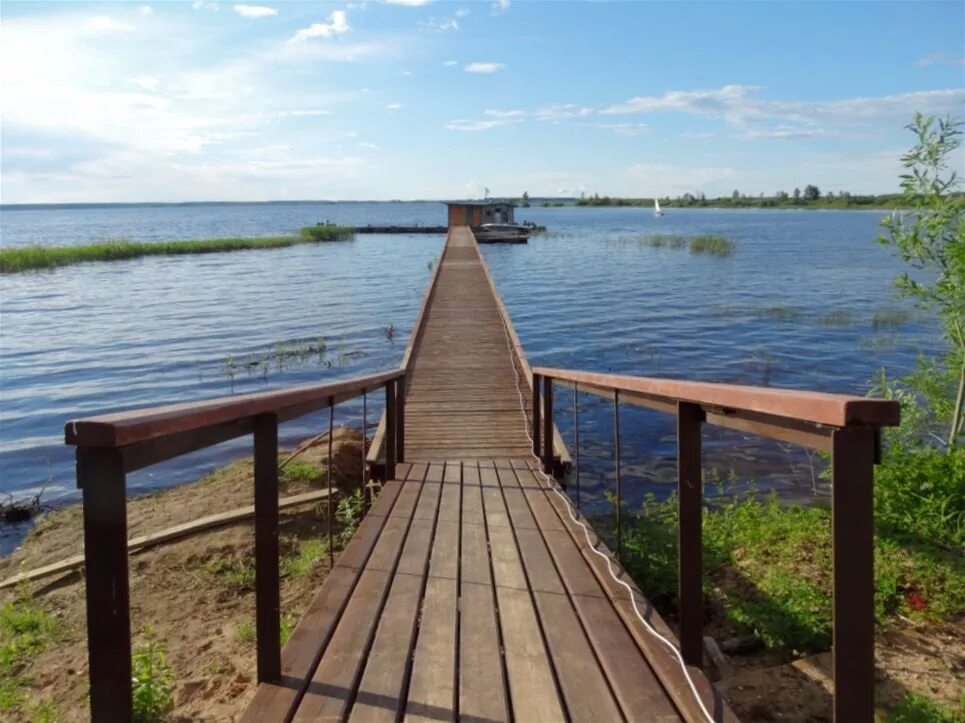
(110, 446)
(847, 427)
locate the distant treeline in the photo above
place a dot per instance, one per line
(810, 197)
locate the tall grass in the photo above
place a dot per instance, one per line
(26, 258)
(714, 245)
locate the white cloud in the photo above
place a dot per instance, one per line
(949, 58)
(562, 111)
(479, 125)
(784, 133)
(463, 12)
(366, 144)
(204, 5)
(147, 82)
(254, 11)
(106, 24)
(484, 67)
(623, 129)
(145, 9)
(408, 3)
(393, 106)
(337, 25)
(505, 113)
(442, 26)
(450, 63)
(501, 5)
(739, 104)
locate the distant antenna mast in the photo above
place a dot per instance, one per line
(485, 193)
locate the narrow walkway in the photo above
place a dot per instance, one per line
(462, 401)
(469, 594)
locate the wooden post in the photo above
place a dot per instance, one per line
(548, 425)
(852, 523)
(689, 534)
(391, 430)
(616, 461)
(100, 474)
(536, 428)
(400, 418)
(267, 591)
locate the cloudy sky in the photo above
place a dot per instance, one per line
(190, 101)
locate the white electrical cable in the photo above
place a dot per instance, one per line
(551, 483)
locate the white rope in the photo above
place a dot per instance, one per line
(551, 483)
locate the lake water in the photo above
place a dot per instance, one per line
(794, 306)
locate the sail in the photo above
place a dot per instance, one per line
(656, 206)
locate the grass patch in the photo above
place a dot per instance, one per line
(915, 708)
(245, 633)
(152, 679)
(301, 563)
(297, 471)
(26, 258)
(237, 575)
(713, 245)
(327, 232)
(25, 631)
(349, 512)
(768, 570)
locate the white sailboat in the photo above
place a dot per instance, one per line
(656, 208)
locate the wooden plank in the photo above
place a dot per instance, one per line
(312, 633)
(482, 691)
(334, 683)
(662, 662)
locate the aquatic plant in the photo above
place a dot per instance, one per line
(714, 245)
(26, 258)
(327, 232)
(836, 319)
(890, 318)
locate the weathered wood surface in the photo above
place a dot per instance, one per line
(468, 593)
(462, 400)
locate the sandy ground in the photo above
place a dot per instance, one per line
(203, 615)
(197, 611)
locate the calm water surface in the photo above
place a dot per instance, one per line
(794, 306)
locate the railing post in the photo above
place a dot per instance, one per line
(536, 427)
(267, 591)
(616, 461)
(689, 534)
(548, 425)
(852, 523)
(400, 418)
(391, 430)
(100, 474)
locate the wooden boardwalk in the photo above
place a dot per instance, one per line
(462, 400)
(468, 592)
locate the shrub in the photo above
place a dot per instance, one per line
(152, 681)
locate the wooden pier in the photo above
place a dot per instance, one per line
(472, 590)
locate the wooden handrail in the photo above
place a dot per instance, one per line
(817, 408)
(109, 446)
(141, 425)
(847, 427)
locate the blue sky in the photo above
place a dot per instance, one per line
(181, 101)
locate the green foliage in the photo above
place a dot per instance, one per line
(920, 495)
(915, 708)
(348, 513)
(768, 569)
(714, 245)
(25, 631)
(245, 632)
(152, 681)
(327, 232)
(25, 258)
(931, 240)
(297, 471)
(301, 563)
